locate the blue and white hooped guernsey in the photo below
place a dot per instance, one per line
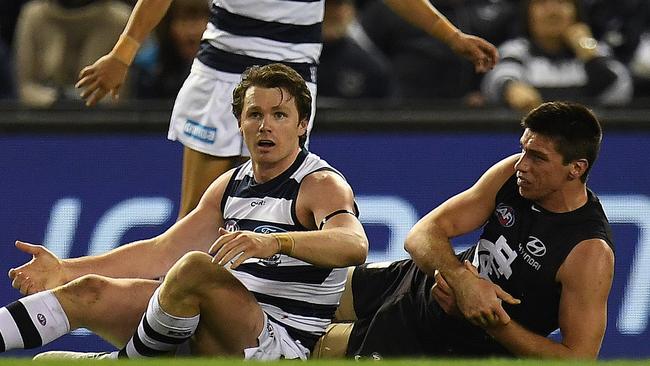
(242, 33)
(297, 295)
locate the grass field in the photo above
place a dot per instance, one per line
(405, 362)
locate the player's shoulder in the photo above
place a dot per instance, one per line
(218, 186)
(324, 179)
(591, 257)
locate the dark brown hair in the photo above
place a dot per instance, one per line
(574, 128)
(274, 76)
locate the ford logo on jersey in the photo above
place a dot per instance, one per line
(268, 229)
(273, 260)
(535, 247)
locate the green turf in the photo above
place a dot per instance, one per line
(405, 362)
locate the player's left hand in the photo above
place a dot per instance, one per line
(444, 295)
(105, 76)
(478, 51)
(238, 246)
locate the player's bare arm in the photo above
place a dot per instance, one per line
(429, 245)
(108, 73)
(341, 241)
(423, 15)
(146, 259)
(585, 278)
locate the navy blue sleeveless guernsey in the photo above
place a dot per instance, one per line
(521, 248)
(295, 294)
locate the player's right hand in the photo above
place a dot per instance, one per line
(481, 53)
(479, 300)
(105, 76)
(237, 246)
(45, 271)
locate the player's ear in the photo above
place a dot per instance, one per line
(578, 168)
(302, 127)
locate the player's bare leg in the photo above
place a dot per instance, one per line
(111, 308)
(231, 318)
(197, 289)
(199, 171)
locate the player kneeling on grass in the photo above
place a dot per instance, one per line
(255, 271)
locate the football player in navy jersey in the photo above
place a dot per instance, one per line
(544, 261)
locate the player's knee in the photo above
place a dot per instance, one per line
(191, 270)
(86, 290)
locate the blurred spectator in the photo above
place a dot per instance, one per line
(9, 10)
(618, 23)
(56, 38)
(346, 69)
(640, 62)
(7, 85)
(424, 67)
(161, 68)
(640, 66)
(556, 58)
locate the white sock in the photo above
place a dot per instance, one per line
(32, 321)
(159, 333)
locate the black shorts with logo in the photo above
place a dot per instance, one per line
(398, 317)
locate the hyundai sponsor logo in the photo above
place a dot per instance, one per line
(535, 247)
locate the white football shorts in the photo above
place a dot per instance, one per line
(275, 343)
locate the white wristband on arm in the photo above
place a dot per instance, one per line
(125, 49)
(444, 30)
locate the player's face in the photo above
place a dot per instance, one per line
(270, 125)
(541, 174)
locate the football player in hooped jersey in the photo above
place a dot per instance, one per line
(544, 261)
(239, 34)
(264, 290)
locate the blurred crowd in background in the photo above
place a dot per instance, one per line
(583, 50)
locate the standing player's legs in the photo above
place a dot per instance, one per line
(203, 122)
(199, 171)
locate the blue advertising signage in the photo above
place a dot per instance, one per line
(85, 194)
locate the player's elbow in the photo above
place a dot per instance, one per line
(412, 242)
(356, 251)
(421, 235)
(360, 252)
